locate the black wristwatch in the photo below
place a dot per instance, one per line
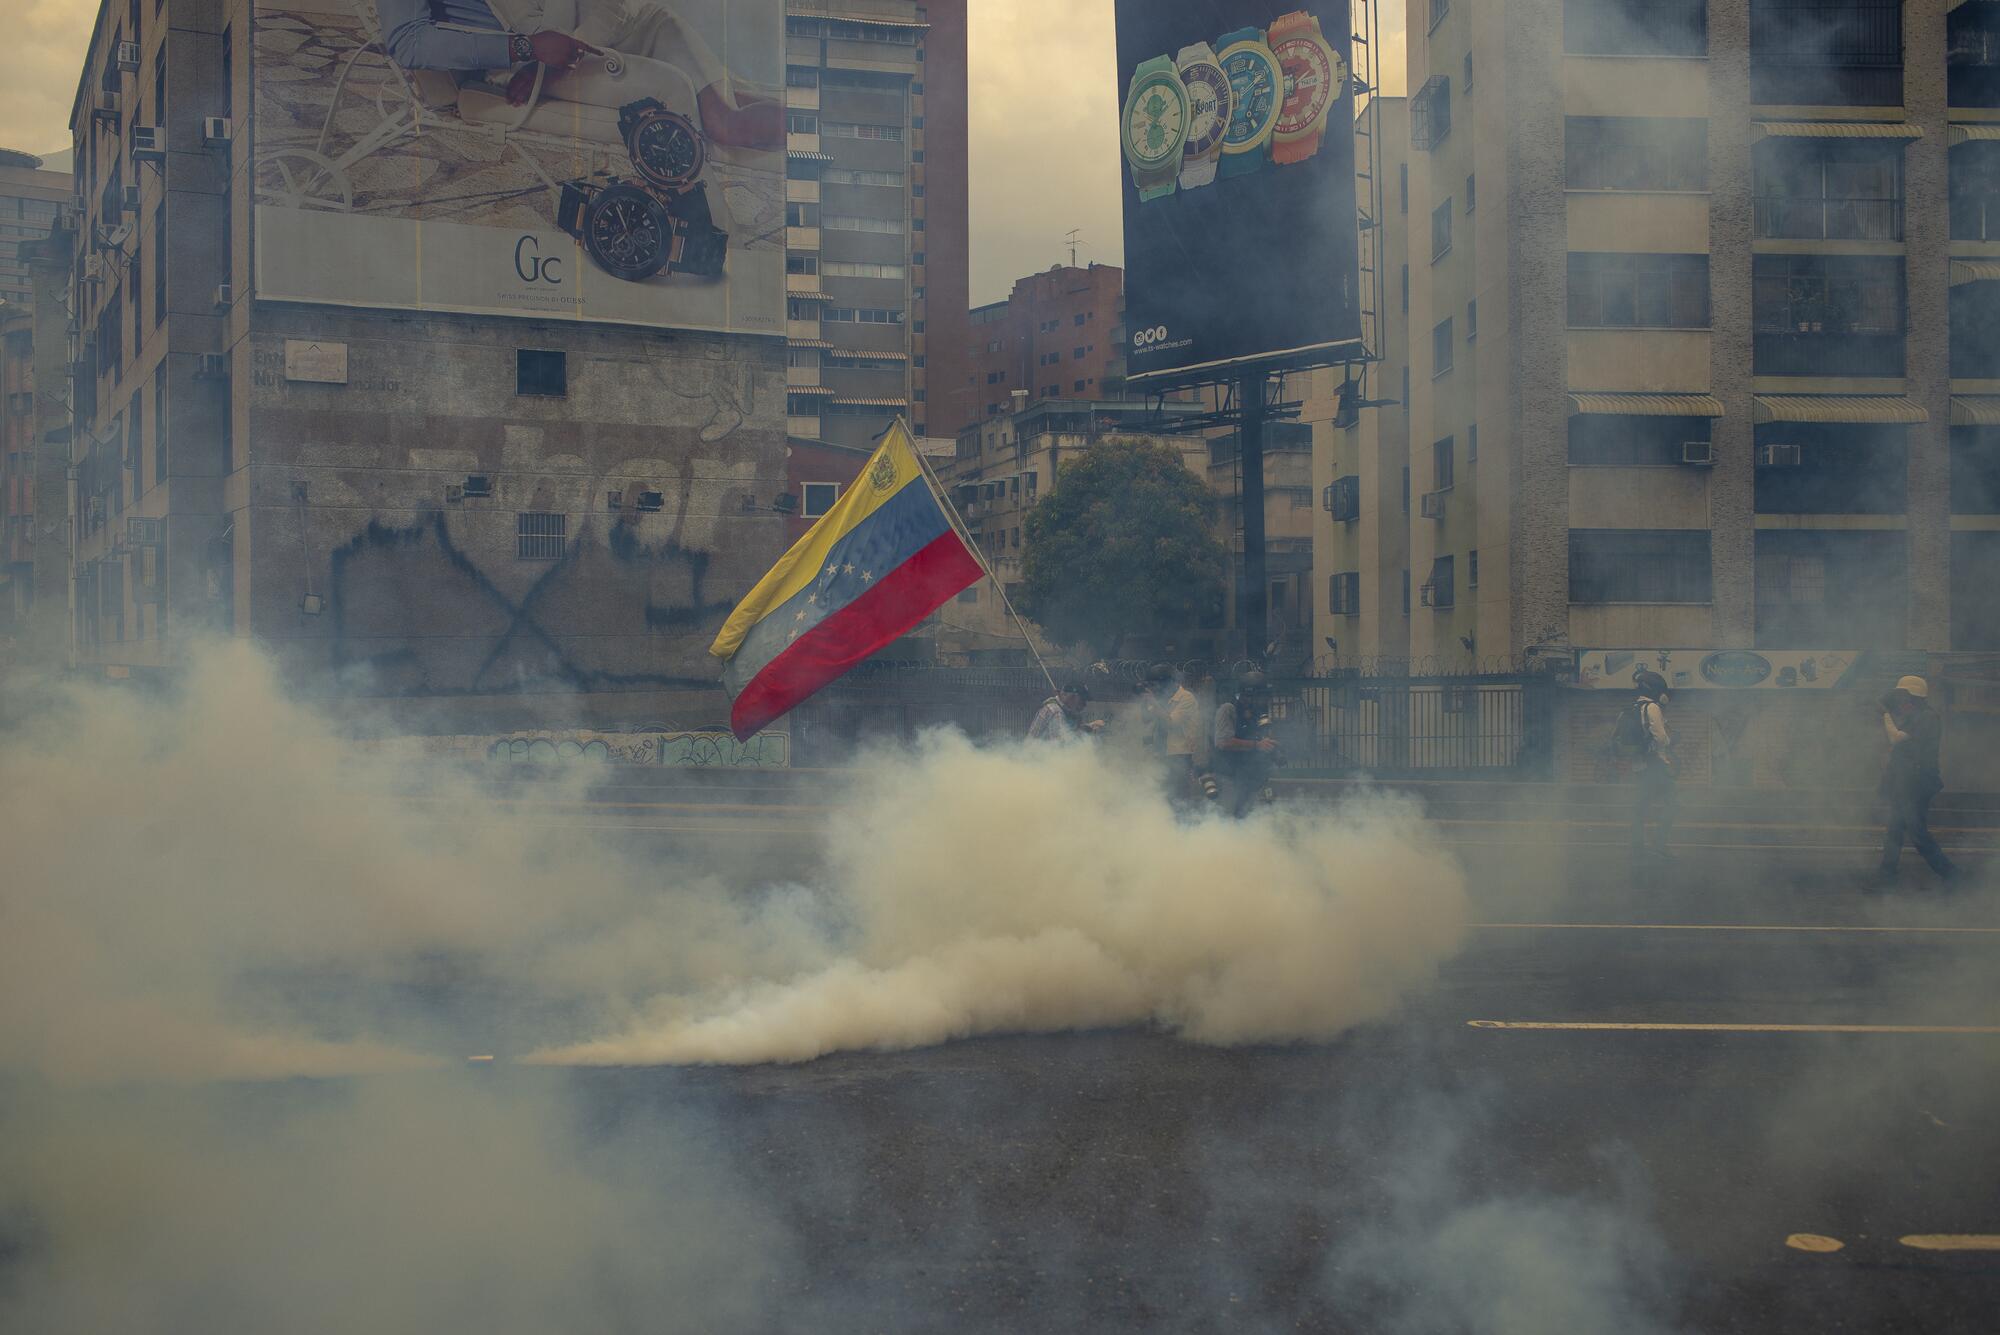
(519, 48)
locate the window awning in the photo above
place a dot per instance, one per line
(1647, 405)
(867, 355)
(870, 402)
(807, 155)
(1959, 134)
(1892, 408)
(1974, 271)
(807, 342)
(1836, 130)
(808, 389)
(809, 293)
(1975, 410)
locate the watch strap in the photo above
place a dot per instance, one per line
(520, 48)
(1197, 172)
(1287, 24)
(1229, 39)
(1188, 55)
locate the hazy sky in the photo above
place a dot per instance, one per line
(1044, 121)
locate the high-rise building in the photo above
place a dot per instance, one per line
(1059, 335)
(1704, 325)
(876, 275)
(455, 429)
(30, 197)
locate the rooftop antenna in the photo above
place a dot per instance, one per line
(1074, 238)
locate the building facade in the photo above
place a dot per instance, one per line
(496, 516)
(30, 199)
(876, 266)
(1059, 334)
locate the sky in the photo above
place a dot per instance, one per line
(1044, 121)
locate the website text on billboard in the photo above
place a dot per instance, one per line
(1237, 124)
(613, 160)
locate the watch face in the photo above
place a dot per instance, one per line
(1208, 105)
(1156, 120)
(1254, 88)
(1311, 75)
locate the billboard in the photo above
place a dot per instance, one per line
(605, 160)
(1237, 124)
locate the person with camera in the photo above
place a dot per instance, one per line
(1655, 770)
(1910, 780)
(1245, 751)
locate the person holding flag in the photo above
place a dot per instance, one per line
(882, 559)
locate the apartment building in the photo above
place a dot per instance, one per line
(1703, 325)
(490, 515)
(30, 198)
(1059, 334)
(876, 271)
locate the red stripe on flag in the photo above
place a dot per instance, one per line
(902, 598)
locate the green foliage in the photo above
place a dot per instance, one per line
(1124, 545)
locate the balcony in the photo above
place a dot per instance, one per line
(1975, 216)
(1826, 52)
(1795, 218)
(1972, 56)
(1817, 353)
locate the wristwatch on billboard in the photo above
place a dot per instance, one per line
(1208, 113)
(1314, 75)
(1256, 87)
(1155, 126)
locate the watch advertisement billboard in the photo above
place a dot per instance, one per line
(601, 160)
(1237, 127)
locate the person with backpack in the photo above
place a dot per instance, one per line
(1911, 779)
(1642, 734)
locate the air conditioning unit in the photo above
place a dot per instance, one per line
(1700, 453)
(215, 131)
(128, 57)
(129, 199)
(453, 493)
(478, 484)
(148, 144)
(614, 500)
(650, 501)
(225, 295)
(214, 366)
(93, 268)
(113, 238)
(143, 532)
(1432, 506)
(1779, 456)
(1427, 594)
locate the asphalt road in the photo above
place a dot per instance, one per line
(1735, 1094)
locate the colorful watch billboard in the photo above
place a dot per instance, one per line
(1237, 123)
(605, 160)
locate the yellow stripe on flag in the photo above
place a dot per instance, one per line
(892, 467)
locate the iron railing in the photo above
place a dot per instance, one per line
(1811, 218)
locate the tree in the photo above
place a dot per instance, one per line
(1124, 545)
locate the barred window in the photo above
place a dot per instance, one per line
(540, 536)
(1613, 291)
(1639, 566)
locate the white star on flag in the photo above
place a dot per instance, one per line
(867, 575)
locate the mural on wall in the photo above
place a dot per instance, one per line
(1723, 669)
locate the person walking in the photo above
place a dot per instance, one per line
(1658, 795)
(1061, 715)
(1245, 752)
(1911, 779)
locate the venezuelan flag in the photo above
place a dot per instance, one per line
(876, 564)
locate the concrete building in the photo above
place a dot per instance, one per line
(876, 270)
(1289, 508)
(1704, 326)
(500, 519)
(30, 198)
(1059, 334)
(1361, 472)
(1001, 467)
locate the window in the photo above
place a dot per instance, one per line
(1406, 289)
(541, 373)
(1828, 190)
(801, 122)
(1975, 474)
(1472, 569)
(862, 315)
(1438, 590)
(801, 215)
(1406, 592)
(1406, 490)
(970, 594)
(798, 76)
(1440, 229)
(857, 269)
(1078, 387)
(852, 130)
(1972, 56)
(1076, 354)
(1441, 348)
(1614, 440)
(1343, 594)
(802, 264)
(816, 498)
(1403, 186)
(1815, 587)
(540, 536)
(1826, 52)
(1471, 191)
(1635, 153)
(1975, 192)
(1823, 469)
(1610, 565)
(1620, 291)
(1472, 443)
(1343, 499)
(1975, 329)
(850, 176)
(917, 258)
(1827, 315)
(1442, 454)
(1405, 400)
(848, 222)
(1635, 27)
(1465, 78)
(229, 72)
(1439, 8)
(160, 86)
(160, 425)
(1471, 320)
(1430, 113)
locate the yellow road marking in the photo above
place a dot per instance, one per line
(1713, 927)
(1813, 1242)
(1661, 1027)
(1953, 1242)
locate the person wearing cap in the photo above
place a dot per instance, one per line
(1244, 749)
(1061, 715)
(1658, 796)
(1173, 718)
(1911, 779)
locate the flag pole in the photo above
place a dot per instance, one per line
(965, 536)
